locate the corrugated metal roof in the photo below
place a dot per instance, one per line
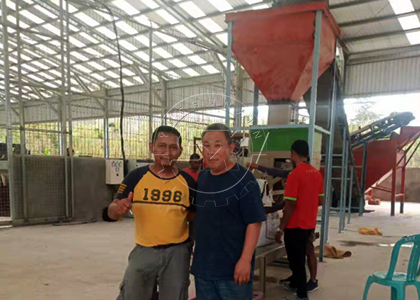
(390, 76)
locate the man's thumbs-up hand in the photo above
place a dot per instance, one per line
(119, 207)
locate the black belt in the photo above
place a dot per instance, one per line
(171, 245)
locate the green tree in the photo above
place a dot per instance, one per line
(365, 115)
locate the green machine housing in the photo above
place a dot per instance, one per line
(277, 148)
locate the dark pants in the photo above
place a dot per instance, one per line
(222, 290)
(296, 240)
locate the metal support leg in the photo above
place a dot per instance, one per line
(106, 128)
(343, 217)
(364, 170)
(393, 190)
(342, 187)
(150, 87)
(228, 74)
(5, 34)
(328, 167)
(350, 193)
(314, 87)
(403, 187)
(255, 107)
(21, 114)
(63, 106)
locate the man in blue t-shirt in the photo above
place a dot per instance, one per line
(228, 222)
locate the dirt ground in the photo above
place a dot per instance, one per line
(88, 261)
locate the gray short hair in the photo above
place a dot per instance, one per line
(219, 127)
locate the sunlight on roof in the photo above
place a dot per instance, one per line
(197, 59)
(86, 19)
(221, 5)
(210, 25)
(150, 3)
(107, 17)
(165, 37)
(182, 48)
(30, 16)
(111, 74)
(162, 52)
(128, 72)
(46, 76)
(409, 22)
(126, 7)
(108, 49)
(167, 16)
(262, 6)
(111, 84)
(38, 64)
(108, 33)
(126, 60)
(184, 30)
(111, 63)
(52, 28)
(192, 9)
(97, 76)
(82, 68)
(145, 21)
(142, 55)
(191, 72)
(160, 66)
(127, 45)
(13, 20)
(223, 37)
(127, 28)
(96, 65)
(210, 69)
(35, 78)
(45, 49)
(414, 37)
(127, 82)
(76, 42)
(92, 52)
(253, 1)
(45, 12)
(89, 37)
(138, 79)
(79, 56)
(28, 67)
(177, 63)
(401, 6)
(144, 40)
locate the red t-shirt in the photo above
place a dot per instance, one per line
(193, 173)
(304, 185)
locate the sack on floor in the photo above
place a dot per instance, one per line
(269, 229)
(332, 252)
(369, 231)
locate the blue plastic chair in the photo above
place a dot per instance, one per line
(399, 281)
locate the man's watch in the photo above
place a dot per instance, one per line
(279, 230)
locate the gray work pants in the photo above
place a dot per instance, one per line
(145, 264)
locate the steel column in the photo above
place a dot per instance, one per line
(403, 187)
(63, 118)
(364, 170)
(150, 87)
(328, 166)
(255, 106)
(342, 188)
(345, 170)
(21, 113)
(4, 10)
(314, 87)
(350, 193)
(106, 128)
(69, 108)
(238, 101)
(228, 74)
(393, 190)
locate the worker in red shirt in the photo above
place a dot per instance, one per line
(194, 168)
(304, 193)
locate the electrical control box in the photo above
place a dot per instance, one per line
(114, 169)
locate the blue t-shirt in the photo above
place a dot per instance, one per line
(226, 204)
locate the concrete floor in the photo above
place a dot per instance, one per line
(88, 261)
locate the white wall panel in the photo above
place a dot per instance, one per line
(383, 77)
